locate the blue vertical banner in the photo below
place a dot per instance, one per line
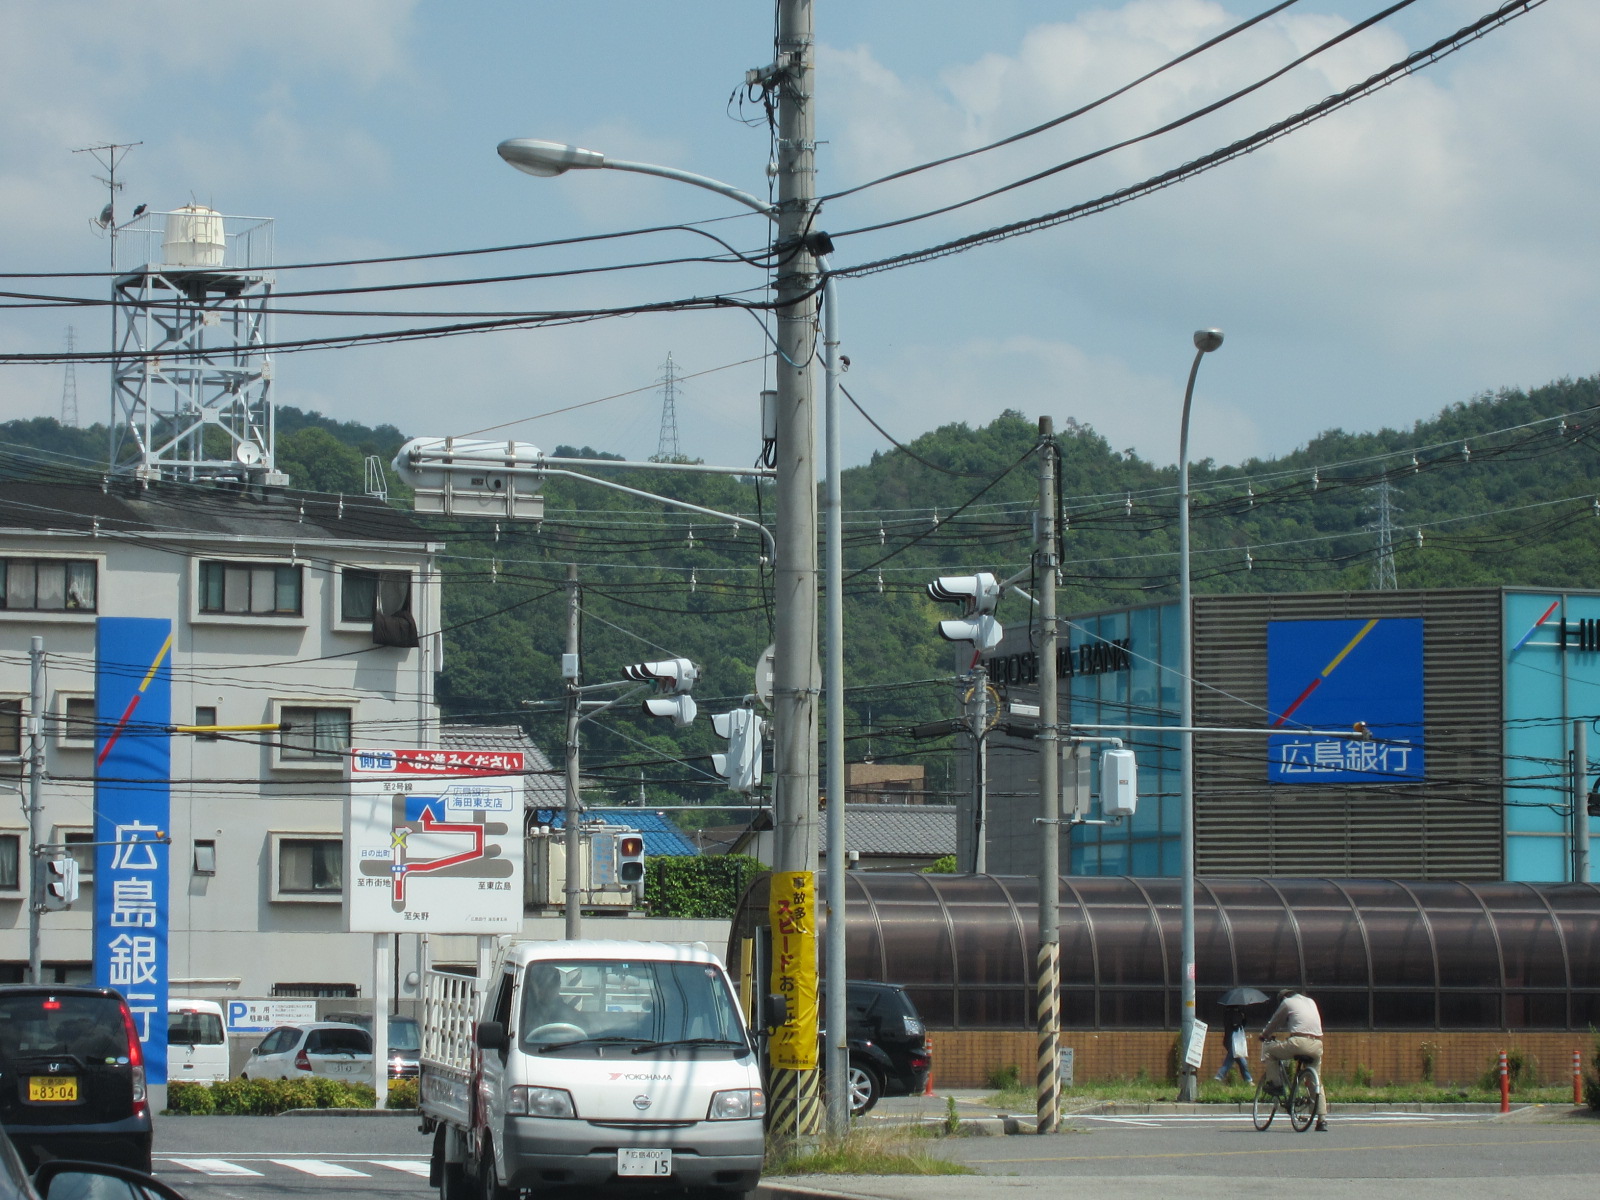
(132, 810)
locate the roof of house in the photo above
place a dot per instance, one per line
(545, 787)
(909, 829)
(661, 836)
(124, 506)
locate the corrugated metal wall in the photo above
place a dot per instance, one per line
(1448, 827)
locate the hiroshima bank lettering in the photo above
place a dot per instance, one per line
(1089, 658)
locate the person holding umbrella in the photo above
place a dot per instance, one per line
(1235, 1042)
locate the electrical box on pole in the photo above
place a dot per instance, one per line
(1119, 783)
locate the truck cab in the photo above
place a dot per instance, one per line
(601, 1065)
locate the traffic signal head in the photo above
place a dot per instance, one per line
(741, 765)
(670, 675)
(60, 882)
(681, 708)
(978, 594)
(630, 858)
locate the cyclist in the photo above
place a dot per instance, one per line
(1299, 1022)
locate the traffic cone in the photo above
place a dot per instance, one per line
(927, 1088)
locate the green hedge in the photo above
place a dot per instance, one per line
(697, 885)
(267, 1097)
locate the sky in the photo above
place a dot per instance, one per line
(1426, 245)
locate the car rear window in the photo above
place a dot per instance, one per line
(88, 1027)
(194, 1029)
(339, 1041)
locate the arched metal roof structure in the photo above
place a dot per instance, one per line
(1376, 954)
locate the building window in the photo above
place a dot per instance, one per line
(10, 727)
(205, 856)
(206, 714)
(307, 866)
(47, 585)
(254, 589)
(75, 722)
(381, 599)
(313, 735)
(10, 862)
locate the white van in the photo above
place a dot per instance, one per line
(197, 1041)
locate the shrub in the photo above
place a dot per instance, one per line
(1430, 1060)
(697, 885)
(402, 1094)
(941, 866)
(1521, 1066)
(1362, 1076)
(190, 1099)
(1004, 1079)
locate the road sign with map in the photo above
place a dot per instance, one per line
(433, 841)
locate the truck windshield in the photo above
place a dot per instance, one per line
(627, 1002)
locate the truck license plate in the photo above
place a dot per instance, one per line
(644, 1162)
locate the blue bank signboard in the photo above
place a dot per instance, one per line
(1330, 675)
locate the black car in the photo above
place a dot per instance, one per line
(72, 1079)
(889, 1053)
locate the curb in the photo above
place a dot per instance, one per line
(351, 1112)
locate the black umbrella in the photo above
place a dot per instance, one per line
(1242, 997)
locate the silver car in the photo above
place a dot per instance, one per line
(326, 1048)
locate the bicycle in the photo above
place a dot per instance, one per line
(1299, 1099)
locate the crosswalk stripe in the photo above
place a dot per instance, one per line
(322, 1170)
(409, 1165)
(212, 1166)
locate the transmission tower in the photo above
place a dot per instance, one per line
(1383, 577)
(667, 445)
(69, 385)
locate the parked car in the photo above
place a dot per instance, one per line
(72, 1081)
(405, 1041)
(197, 1042)
(328, 1049)
(889, 1053)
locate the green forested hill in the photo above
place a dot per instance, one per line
(1498, 490)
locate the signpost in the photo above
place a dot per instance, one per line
(433, 844)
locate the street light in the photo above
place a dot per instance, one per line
(796, 514)
(1205, 341)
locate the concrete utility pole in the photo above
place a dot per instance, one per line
(572, 840)
(978, 729)
(1047, 994)
(796, 1111)
(35, 806)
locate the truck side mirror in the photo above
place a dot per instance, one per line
(491, 1035)
(776, 1011)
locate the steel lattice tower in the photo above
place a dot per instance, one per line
(69, 385)
(667, 449)
(1383, 576)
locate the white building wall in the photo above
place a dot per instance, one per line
(226, 928)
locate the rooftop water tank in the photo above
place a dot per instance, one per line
(194, 237)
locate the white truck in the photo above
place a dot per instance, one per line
(601, 1065)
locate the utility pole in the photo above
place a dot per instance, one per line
(1580, 801)
(35, 806)
(571, 836)
(796, 1111)
(1047, 979)
(978, 730)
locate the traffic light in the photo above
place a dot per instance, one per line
(60, 882)
(978, 594)
(630, 858)
(741, 765)
(673, 679)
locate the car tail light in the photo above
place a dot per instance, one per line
(920, 1061)
(302, 1062)
(136, 1061)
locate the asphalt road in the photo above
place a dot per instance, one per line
(253, 1158)
(1550, 1156)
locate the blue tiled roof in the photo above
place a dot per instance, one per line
(661, 836)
